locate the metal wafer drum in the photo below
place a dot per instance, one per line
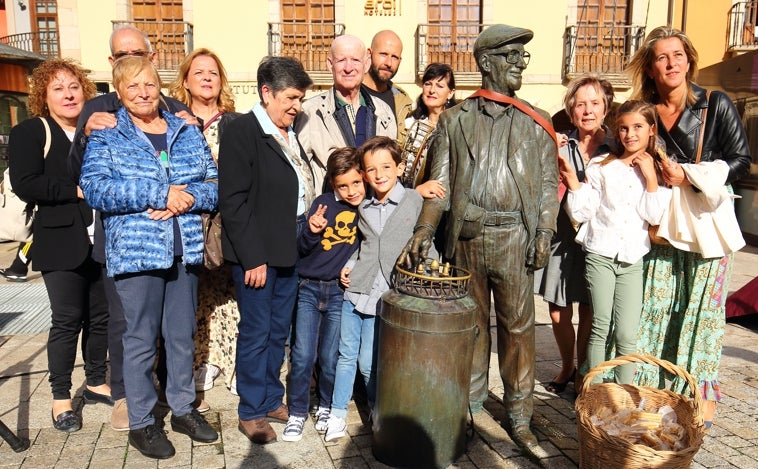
(425, 347)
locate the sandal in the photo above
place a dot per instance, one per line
(557, 387)
(67, 421)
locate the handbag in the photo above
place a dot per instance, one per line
(17, 216)
(212, 257)
(652, 230)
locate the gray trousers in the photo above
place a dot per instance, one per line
(158, 302)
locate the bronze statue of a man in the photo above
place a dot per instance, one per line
(498, 165)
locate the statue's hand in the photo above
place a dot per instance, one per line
(539, 250)
(417, 248)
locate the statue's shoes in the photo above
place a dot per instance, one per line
(523, 436)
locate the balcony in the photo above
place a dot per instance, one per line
(741, 28)
(307, 42)
(601, 48)
(452, 44)
(44, 43)
(171, 40)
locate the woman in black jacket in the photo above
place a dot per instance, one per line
(38, 149)
(684, 295)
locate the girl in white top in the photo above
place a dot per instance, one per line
(615, 206)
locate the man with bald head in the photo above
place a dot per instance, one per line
(344, 115)
(385, 54)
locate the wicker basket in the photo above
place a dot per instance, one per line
(597, 449)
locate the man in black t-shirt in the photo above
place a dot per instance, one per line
(386, 53)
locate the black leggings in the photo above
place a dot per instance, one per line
(77, 300)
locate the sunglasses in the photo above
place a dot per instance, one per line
(136, 53)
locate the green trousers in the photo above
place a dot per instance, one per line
(615, 290)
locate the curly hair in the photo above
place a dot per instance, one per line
(44, 74)
(177, 90)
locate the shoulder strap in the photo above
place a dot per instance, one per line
(703, 117)
(48, 139)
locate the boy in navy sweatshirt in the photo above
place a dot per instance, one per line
(331, 238)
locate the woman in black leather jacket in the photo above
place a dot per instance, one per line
(683, 307)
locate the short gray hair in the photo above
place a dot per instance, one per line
(280, 73)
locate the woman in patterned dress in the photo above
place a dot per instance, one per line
(202, 85)
(684, 294)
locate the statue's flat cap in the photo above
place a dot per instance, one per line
(501, 34)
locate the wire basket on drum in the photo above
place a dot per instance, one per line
(599, 449)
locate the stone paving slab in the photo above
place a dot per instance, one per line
(25, 408)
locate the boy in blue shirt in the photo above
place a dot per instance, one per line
(331, 238)
(386, 222)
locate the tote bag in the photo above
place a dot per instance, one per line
(16, 216)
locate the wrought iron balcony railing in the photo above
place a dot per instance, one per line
(44, 43)
(742, 33)
(307, 42)
(600, 48)
(452, 44)
(171, 40)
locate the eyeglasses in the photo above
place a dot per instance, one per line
(136, 53)
(513, 56)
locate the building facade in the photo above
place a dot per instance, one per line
(571, 37)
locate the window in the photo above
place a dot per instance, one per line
(44, 17)
(453, 28)
(602, 38)
(163, 22)
(307, 31)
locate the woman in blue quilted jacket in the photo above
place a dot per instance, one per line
(150, 177)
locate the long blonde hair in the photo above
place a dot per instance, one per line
(177, 90)
(643, 85)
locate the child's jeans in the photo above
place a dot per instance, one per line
(316, 334)
(356, 350)
(615, 290)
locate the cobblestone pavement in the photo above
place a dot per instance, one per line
(25, 408)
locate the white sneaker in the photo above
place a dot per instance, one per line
(293, 431)
(205, 376)
(322, 417)
(335, 428)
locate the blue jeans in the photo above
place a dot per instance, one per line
(158, 302)
(316, 334)
(265, 319)
(356, 350)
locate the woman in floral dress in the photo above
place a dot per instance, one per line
(202, 85)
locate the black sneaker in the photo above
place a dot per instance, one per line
(194, 426)
(12, 276)
(152, 442)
